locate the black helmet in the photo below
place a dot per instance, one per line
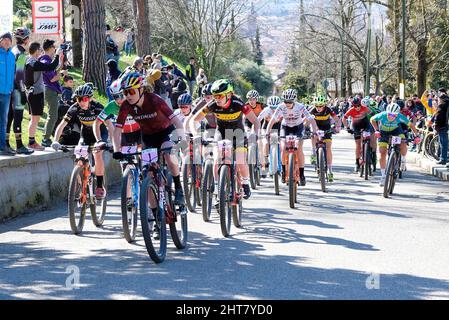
(22, 33)
(207, 90)
(85, 90)
(400, 103)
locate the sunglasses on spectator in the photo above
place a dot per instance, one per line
(129, 92)
(83, 99)
(118, 96)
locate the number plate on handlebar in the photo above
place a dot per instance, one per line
(366, 134)
(129, 150)
(150, 156)
(81, 151)
(396, 140)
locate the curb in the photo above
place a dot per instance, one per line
(429, 166)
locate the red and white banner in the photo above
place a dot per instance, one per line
(47, 17)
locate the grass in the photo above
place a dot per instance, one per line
(77, 75)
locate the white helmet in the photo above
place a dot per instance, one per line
(289, 94)
(393, 108)
(366, 102)
(273, 102)
(116, 87)
(252, 94)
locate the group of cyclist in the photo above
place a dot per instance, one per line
(136, 116)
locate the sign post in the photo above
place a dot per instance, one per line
(47, 17)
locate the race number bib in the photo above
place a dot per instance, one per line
(81, 151)
(366, 134)
(129, 150)
(150, 156)
(320, 133)
(396, 140)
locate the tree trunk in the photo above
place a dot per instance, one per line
(77, 46)
(94, 29)
(421, 71)
(143, 44)
(349, 79)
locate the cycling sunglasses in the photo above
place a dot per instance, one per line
(129, 92)
(118, 96)
(185, 106)
(288, 102)
(219, 96)
(83, 99)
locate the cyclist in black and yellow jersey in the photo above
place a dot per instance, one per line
(229, 111)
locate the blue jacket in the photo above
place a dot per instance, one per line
(7, 70)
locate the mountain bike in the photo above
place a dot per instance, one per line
(321, 165)
(368, 157)
(191, 178)
(131, 179)
(207, 182)
(157, 181)
(275, 166)
(292, 174)
(229, 188)
(393, 169)
(82, 187)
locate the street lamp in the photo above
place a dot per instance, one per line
(368, 51)
(337, 28)
(402, 82)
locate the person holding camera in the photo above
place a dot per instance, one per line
(53, 90)
(35, 87)
(201, 81)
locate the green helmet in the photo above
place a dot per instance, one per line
(222, 86)
(319, 101)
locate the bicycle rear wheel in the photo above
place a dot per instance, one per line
(292, 186)
(100, 204)
(77, 208)
(156, 248)
(224, 194)
(237, 210)
(197, 185)
(252, 167)
(368, 158)
(207, 190)
(129, 204)
(322, 166)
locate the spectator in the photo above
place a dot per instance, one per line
(147, 61)
(191, 75)
(7, 63)
(34, 82)
(162, 60)
(138, 65)
(113, 74)
(440, 119)
(174, 70)
(71, 133)
(52, 91)
(179, 88)
(129, 43)
(18, 99)
(111, 47)
(201, 81)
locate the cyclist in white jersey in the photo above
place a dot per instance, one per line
(294, 117)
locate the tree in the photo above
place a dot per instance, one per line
(258, 76)
(77, 46)
(257, 49)
(94, 27)
(143, 41)
(297, 81)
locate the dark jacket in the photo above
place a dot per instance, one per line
(440, 117)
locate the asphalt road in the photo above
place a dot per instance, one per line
(349, 243)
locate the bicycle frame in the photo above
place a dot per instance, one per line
(291, 146)
(225, 145)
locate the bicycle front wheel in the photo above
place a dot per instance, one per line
(224, 195)
(100, 204)
(77, 203)
(129, 204)
(292, 185)
(207, 191)
(368, 158)
(154, 230)
(389, 172)
(322, 165)
(188, 183)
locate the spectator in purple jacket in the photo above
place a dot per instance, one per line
(53, 90)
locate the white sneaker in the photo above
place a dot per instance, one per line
(382, 181)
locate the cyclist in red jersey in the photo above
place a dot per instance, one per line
(157, 122)
(360, 122)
